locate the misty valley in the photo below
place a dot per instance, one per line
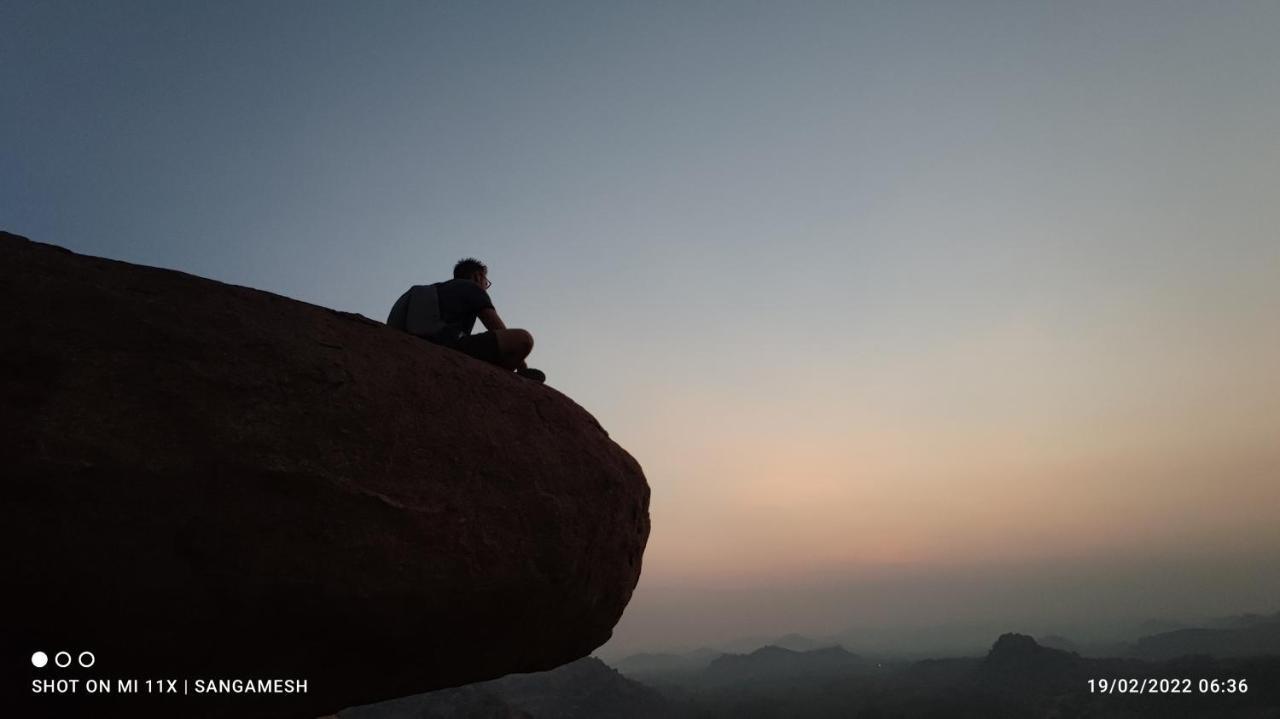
(1228, 668)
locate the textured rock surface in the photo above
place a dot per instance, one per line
(204, 480)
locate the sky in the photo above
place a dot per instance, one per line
(914, 313)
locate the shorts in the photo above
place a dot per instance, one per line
(483, 346)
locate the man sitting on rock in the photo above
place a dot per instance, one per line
(445, 312)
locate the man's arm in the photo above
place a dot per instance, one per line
(489, 317)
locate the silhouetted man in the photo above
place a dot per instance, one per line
(445, 312)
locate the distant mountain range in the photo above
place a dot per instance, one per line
(1016, 677)
(645, 664)
(769, 664)
(584, 689)
(1228, 636)
(1244, 641)
(1240, 635)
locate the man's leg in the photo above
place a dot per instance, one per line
(505, 348)
(513, 346)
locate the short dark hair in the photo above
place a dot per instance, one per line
(468, 266)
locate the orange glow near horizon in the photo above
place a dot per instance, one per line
(982, 452)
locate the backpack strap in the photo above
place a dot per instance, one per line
(423, 318)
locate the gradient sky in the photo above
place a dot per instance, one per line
(913, 312)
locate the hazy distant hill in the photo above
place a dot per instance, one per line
(1056, 641)
(1241, 621)
(943, 640)
(1249, 640)
(585, 689)
(1239, 635)
(793, 641)
(475, 701)
(639, 666)
(800, 643)
(1017, 678)
(775, 663)
(1159, 626)
(647, 664)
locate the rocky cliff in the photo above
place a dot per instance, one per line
(209, 481)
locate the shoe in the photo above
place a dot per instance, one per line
(536, 375)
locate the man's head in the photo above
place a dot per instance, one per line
(469, 268)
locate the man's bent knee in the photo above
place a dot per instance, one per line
(525, 340)
(515, 344)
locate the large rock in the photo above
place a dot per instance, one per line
(204, 480)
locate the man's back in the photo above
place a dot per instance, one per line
(453, 303)
(460, 301)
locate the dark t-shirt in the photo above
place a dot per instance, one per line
(460, 302)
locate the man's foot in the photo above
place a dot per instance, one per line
(536, 375)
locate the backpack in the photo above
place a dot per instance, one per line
(418, 312)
